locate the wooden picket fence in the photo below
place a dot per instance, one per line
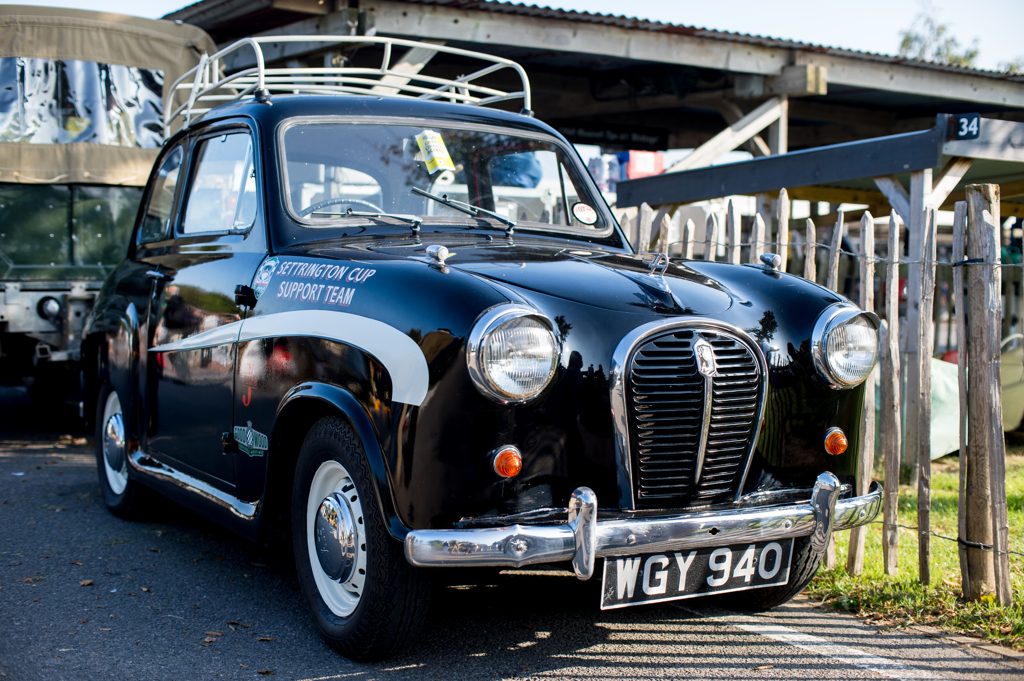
(966, 275)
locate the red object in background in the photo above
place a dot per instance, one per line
(951, 356)
(644, 164)
(903, 289)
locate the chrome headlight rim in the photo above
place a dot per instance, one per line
(485, 325)
(832, 318)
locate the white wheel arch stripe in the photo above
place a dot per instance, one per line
(399, 353)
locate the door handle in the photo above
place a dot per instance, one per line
(245, 296)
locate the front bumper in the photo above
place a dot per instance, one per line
(584, 539)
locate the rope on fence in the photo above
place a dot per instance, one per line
(955, 540)
(881, 260)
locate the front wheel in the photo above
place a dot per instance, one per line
(801, 571)
(365, 599)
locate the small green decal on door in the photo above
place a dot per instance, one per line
(251, 442)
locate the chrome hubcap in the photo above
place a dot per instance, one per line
(336, 538)
(113, 442)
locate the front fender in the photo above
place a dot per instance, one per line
(340, 400)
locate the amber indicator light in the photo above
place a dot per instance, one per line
(836, 442)
(508, 462)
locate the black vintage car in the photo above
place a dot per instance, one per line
(410, 332)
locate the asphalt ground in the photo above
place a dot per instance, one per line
(86, 595)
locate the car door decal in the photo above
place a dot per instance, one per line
(399, 353)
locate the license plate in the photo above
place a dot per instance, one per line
(655, 577)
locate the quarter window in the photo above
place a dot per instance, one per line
(222, 196)
(157, 221)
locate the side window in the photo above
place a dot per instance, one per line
(156, 222)
(222, 195)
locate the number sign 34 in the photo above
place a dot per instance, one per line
(964, 126)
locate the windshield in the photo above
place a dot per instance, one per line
(332, 168)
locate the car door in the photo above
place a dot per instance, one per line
(218, 242)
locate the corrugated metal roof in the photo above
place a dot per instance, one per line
(190, 12)
(621, 21)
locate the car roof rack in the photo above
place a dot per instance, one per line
(208, 87)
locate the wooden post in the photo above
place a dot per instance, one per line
(643, 233)
(855, 557)
(757, 240)
(832, 282)
(664, 229)
(688, 230)
(891, 423)
(810, 252)
(732, 234)
(711, 237)
(960, 306)
(783, 249)
(920, 198)
(986, 470)
(924, 404)
(764, 209)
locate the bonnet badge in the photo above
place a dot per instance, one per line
(705, 358)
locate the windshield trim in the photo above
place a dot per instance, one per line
(596, 201)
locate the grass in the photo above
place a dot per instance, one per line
(901, 599)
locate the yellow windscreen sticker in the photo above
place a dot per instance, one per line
(435, 153)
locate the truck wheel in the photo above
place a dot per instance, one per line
(801, 571)
(365, 599)
(121, 493)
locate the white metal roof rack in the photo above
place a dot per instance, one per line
(207, 86)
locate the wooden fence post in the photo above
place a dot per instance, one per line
(732, 233)
(643, 233)
(855, 557)
(757, 240)
(687, 238)
(891, 423)
(832, 282)
(987, 468)
(783, 240)
(924, 404)
(810, 252)
(960, 305)
(711, 237)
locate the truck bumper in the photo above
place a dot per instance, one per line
(584, 538)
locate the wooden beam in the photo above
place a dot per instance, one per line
(837, 195)
(733, 114)
(842, 162)
(733, 136)
(796, 81)
(412, 62)
(896, 195)
(948, 178)
(778, 132)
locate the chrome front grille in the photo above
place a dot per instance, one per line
(691, 437)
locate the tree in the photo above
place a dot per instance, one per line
(929, 40)
(1013, 66)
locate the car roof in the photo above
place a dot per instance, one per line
(281, 107)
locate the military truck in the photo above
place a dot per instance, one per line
(81, 122)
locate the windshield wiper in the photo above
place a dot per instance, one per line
(473, 211)
(410, 219)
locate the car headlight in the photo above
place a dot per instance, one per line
(845, 345)
(512, 354)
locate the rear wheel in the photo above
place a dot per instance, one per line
(365, 599)
(121, 493)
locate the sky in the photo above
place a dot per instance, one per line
(867, 25)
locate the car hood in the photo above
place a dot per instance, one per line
(602, 279)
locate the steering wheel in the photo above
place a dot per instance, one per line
(332, 202)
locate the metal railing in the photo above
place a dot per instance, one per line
(208, 87)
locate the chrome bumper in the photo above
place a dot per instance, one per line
(584, 539)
